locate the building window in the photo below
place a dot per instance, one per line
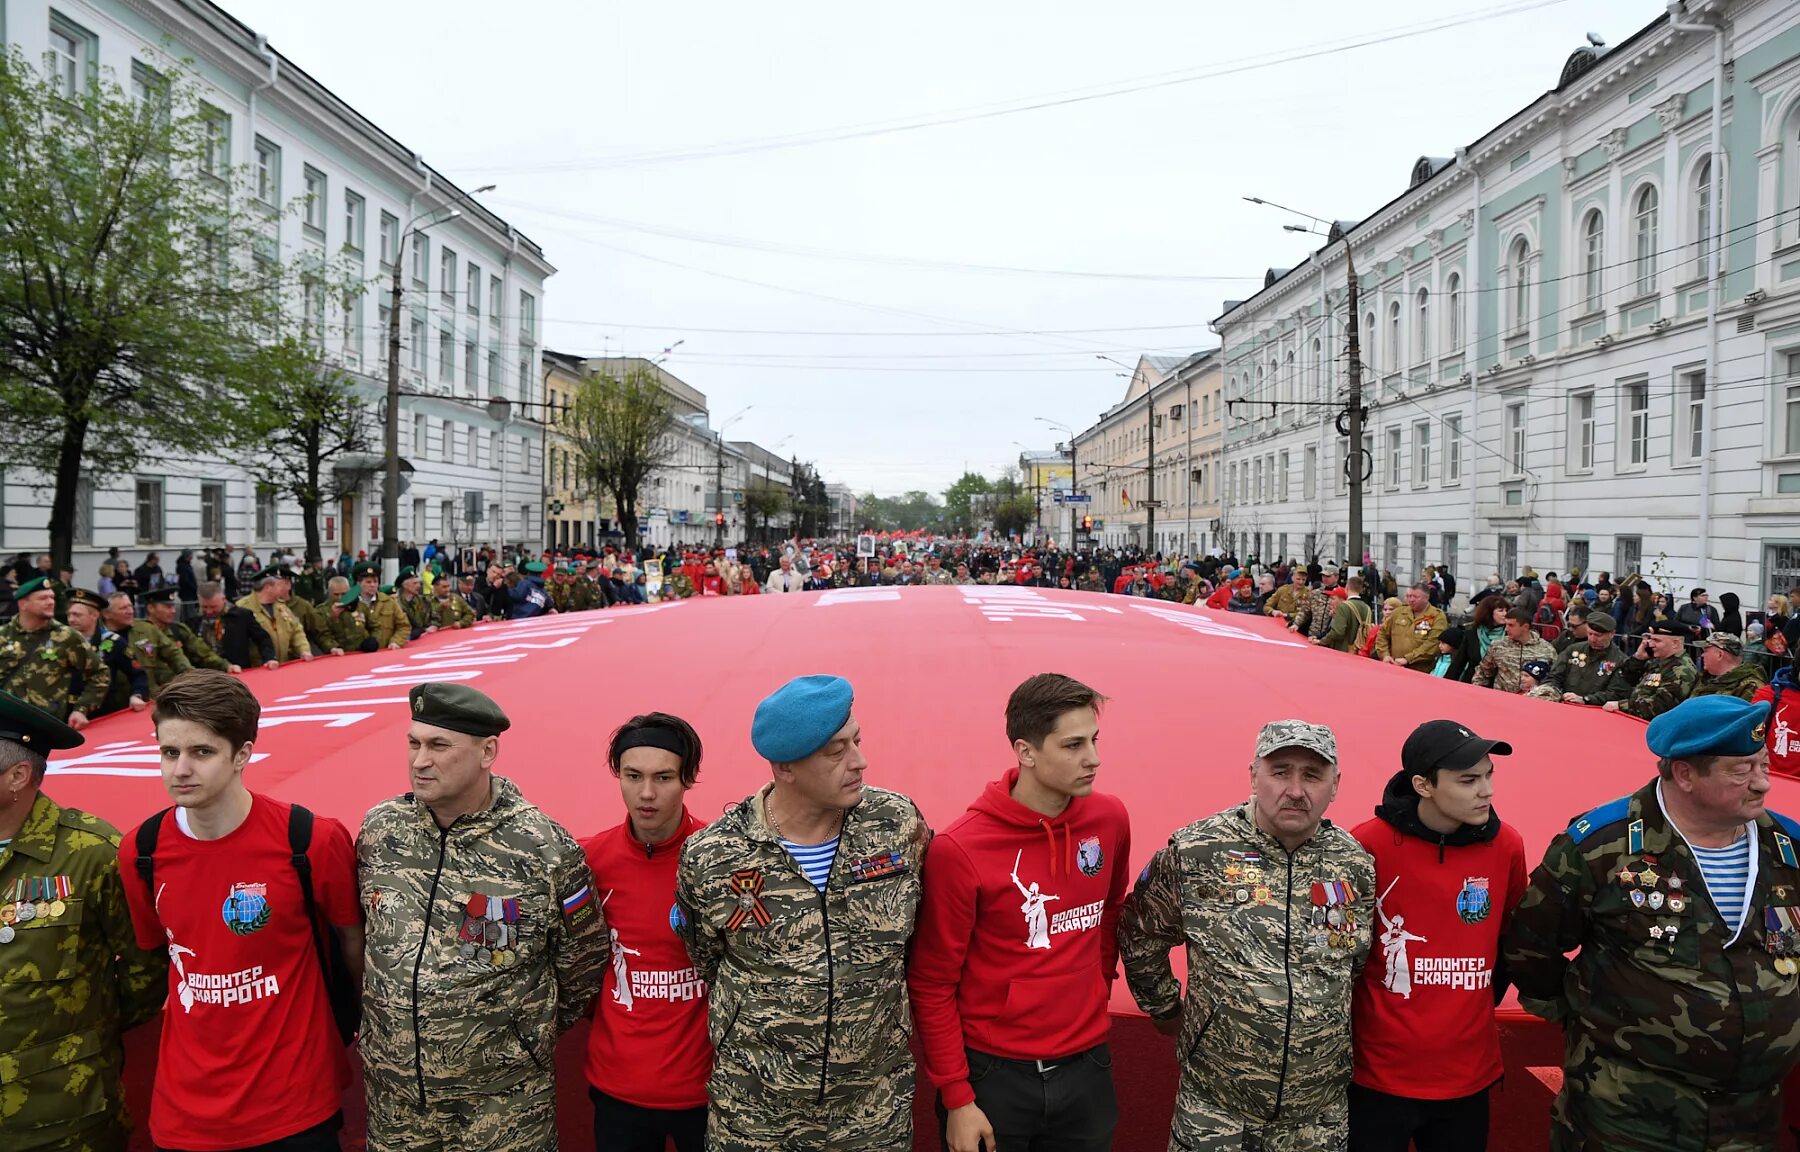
(212, 511)
(446, 356)
(266, 523)
(1422, 326)
(1593, 260)
(1507, 552)
(83, 532)
(1369, 358)
(1343, 466)
(313, 209)
(421, 259)
(527, 318)
(1258, 489)
(1281, 478)
(1515, 438)
(1690, 392)
(1318, 371)
(421, 433)
(353, 327)
(1390, 555)
(447, 277)
(1452, 449)
(1394, 456)
(268, 172)
(1644, 240)
(1781, 568)
(70, 60)
(390, 240)
(1421, 454)
(215, 157)
(1396, 346)
(471, 369)
(149, 511)
(1309, 470)
(1703, 190)
(1789, 420)
(472, 289)
(1637, 423)
(1628, 556)
(354, 212)
(1581, 432)
(1340, 554)
(1453, 317)
(496, 386)
(1518, 311)
(1449, 557)
(312, 293)
(418, 344)
(494, 301)
(1575, 556)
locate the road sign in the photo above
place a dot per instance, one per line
(1149, 503)
(1077, 498)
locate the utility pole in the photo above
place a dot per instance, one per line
(1150, 486)
(390, 484)
(719, 495)
(1353, 456)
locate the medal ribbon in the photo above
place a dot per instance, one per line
(747, 882)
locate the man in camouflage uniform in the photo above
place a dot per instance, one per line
(199, 653)
(935, 573)
(1313, 619)
(449, 610)
(1499, 669)
(1288, 598)
(485, 943)
(1409, 635)
(1727, 673)
(1657, 677)
(1680, 1021)
(421, 617)
(72, 977)
(129, 688)
(808, 1012)
(1274, 906)
(1584, 670)
(1350, 619)
(41, 658)
(265, 604)
(369, 614)
(155, 651)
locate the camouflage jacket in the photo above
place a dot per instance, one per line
(808, 1008)
(70, 984)
(381, 618)
(1274, 942)
(281, 625)
(1742, 682)
(1412, 638)
(312, 624)
(939, 578)
(157, 654)
(485, 941)
(452, 612)
(1648, 688)
(1500, 668)
(1585, 672)
(419, 613)
(194, 646)
(1659, 982)
(41, 667)
(1315, 614)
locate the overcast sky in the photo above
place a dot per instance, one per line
(829, 284)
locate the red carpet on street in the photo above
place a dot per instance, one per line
(1188, 689)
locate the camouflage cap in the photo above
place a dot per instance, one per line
(457, 707)
(1726, 643)
(1279, 734)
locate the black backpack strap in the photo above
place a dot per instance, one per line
(300, 830)
(147, 834)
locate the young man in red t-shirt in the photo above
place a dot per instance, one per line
(648, 1056)
(1015, 951)
(1448, 875)
(250, 1055)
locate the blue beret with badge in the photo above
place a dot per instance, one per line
(1709, 726)
(800, 717)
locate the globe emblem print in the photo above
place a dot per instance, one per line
(246, 909)
(1473, 903)
(1089, 857)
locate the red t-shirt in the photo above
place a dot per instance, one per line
(648, 1044)
(249, 1052)
(1422, 1013)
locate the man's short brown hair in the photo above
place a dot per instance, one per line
(1036, 705)
(215, 699)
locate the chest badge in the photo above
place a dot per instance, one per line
(246, 908)
(746, 886)
(1474, 902)
(1089, 857)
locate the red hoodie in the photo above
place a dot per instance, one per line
(648, 1045)
(985, 973)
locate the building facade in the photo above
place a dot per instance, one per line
(575, 514)
(1047, 477)
(472, 298)
(1149, 465)
(1554, 376)
(841, 519)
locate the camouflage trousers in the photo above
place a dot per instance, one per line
(1613, 1106)
(523, 1120)
(108, 1137)
(1201, 1127)
(759, 1124)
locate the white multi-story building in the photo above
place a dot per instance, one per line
(1551, 379)
(472, 297)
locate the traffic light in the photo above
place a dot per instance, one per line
(1087, 523)
(719, 519)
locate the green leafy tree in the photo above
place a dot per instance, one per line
(135, 287)
(1013, 515)
(621, 429)
(762, 502)
(956, 499)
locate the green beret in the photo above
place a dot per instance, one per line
(405, 574)
(92, 599)
(457, 707)
(1709, 726)
(366, 569)
(386, 589)
(536, 567)
(33, 727)
(35, 584)
(350, 597)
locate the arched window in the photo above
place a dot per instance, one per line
(1519, 298)
(1256, 411)
(1368, 343)
(1703, 193)
(1453, 318)
(1318, 369)
(1593, 260)
(1274, 389)
(1290, 383)
(1644, 240)
(1422, 326)
(1396, 346)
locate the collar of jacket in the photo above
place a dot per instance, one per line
(37, 836)
(1661, 839)
(1244, 815)
(755, 815)
(504, 801)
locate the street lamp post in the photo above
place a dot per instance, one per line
(390, 488)
(719, 478)
(1076, 507)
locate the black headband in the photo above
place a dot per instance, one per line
(667, 739)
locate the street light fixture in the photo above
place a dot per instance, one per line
(719, 474)
(1074, 475)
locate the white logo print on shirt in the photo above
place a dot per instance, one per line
(1037, 927)
(1397, 976)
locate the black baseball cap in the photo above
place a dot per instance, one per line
(1446, 744)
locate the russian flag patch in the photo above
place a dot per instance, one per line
(580, 899)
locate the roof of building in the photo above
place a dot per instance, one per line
(1164, 363)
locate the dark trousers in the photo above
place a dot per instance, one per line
(1069, 1106)
(622, 1127)
(321, 1137)
(1383, 1123)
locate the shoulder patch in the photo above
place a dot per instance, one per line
(1786, 823)
(1608, 813)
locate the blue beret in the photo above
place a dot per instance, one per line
(1709, 726)
(800, 717)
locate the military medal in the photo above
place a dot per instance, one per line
(1637, 898)
(1647, 877)
(1656, 932)
(6, 933)
(1655, 900)
(746, 886)
(1675, 883)
(1242, 895)
(1786, 966)
(484, 955)
(1678, 904)
(1627, 877)
(467, 951)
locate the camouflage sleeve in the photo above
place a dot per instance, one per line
(140, 975)
(1365, 912)
(578, 937)
(1149, 927)
(1550, 922)
(1619, 684)
(200, 653)
(705, 945)
(1484, 672)
(1676, 685)
(96, 677)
